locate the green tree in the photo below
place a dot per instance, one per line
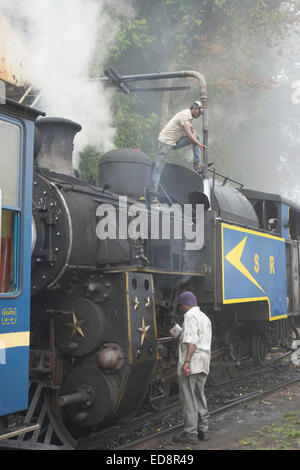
(135, 129)
(229, 41)
(89, 161)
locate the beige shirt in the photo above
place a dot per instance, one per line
(174, 131)
(196, 330)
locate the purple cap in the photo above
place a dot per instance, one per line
(187, 298)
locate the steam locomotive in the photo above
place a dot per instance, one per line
(103, 302)
(102, 308)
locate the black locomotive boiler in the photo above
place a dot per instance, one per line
(102, 308)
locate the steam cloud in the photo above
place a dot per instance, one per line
(61, 39)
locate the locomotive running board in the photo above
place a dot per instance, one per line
(152, 271)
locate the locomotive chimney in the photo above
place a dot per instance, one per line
(56, 144)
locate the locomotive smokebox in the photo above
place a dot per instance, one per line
(125, 171)
(56, 144)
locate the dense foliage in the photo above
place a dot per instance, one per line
(232, 42)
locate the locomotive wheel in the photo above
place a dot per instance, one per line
(260, 348)
(291, 335)
(294, 335)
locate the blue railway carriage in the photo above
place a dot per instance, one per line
(279, 218)
(16, 173)
(257, 275)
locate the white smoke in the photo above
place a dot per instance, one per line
(61, 37)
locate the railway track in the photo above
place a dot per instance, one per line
(251, 384)
(259, 383)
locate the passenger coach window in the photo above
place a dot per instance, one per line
(10, 156)
(10, 139)
(8, 272)
(294, 224)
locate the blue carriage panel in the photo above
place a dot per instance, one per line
(16, 154)
(254, 269)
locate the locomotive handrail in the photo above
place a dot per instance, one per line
(226, 178)
(248, 227)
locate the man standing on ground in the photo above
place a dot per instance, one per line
(176, 134)
(193, 369)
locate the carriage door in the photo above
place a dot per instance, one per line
(14, 297)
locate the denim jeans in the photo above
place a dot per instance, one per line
(164, 149)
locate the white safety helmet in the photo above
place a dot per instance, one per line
(198, 105)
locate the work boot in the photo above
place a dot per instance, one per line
(155, 200)
(185, 438)
(153, 197)
(203, 435)
(199, 168)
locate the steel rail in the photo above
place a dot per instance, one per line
(218, 411)
(118, 432)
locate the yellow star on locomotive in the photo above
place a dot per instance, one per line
(143, 331)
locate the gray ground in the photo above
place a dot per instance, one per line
(231, 430)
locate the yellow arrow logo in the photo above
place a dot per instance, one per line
(234, 258)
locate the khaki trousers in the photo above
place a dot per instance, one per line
(193, 402)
